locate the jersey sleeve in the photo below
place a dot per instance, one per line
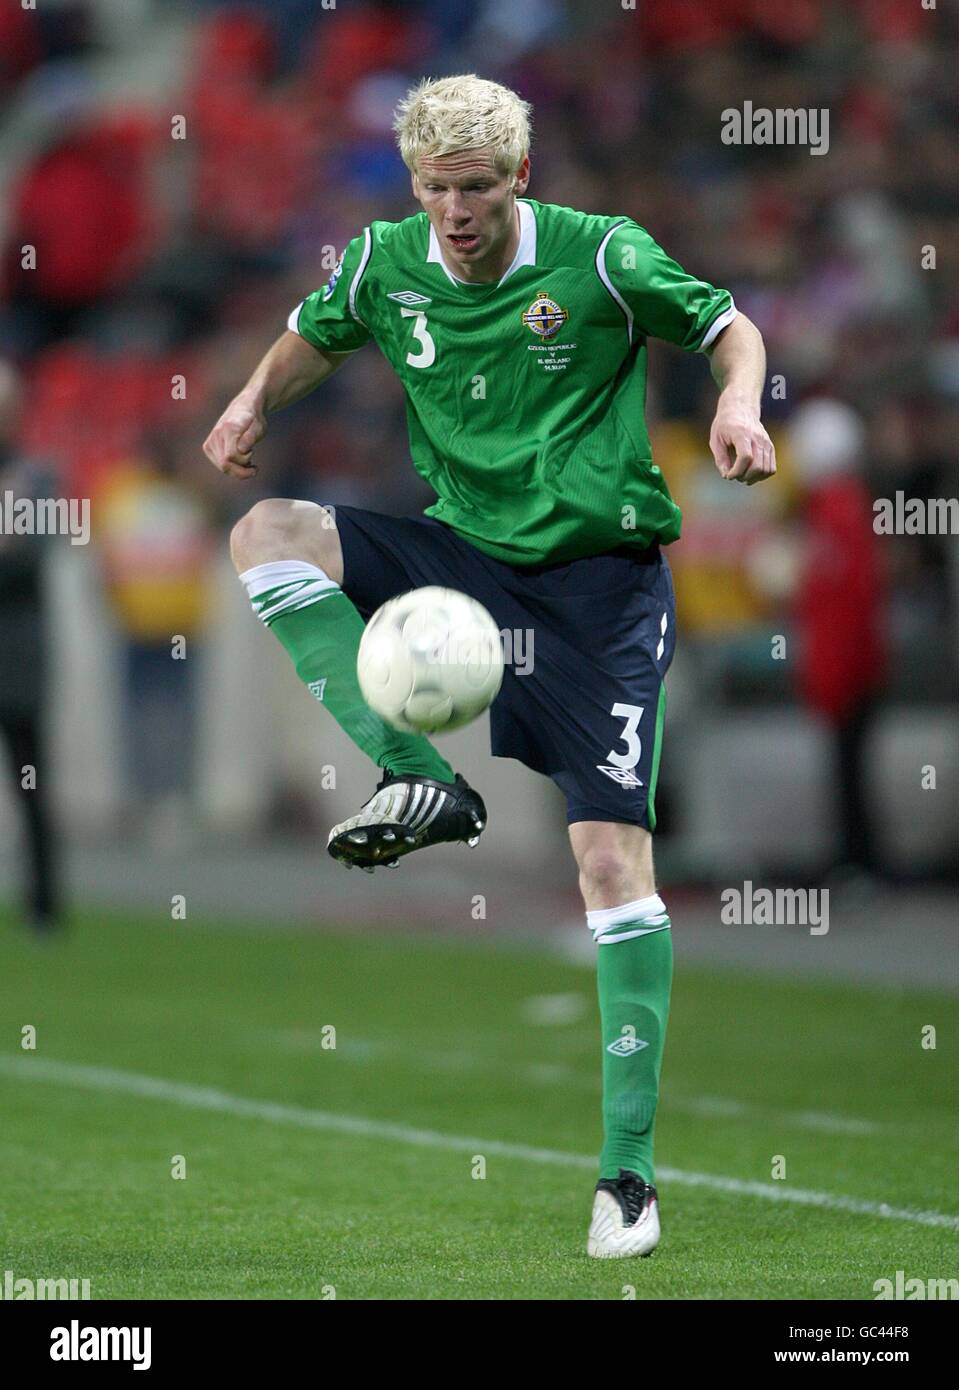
(658, 297)
(331, 318)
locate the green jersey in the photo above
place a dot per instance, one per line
(525, 399)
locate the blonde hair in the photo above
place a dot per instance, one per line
(448, 114)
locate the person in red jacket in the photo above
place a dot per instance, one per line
(83, 205)
(839, 607)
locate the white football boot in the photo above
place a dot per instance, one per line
(625, 1218)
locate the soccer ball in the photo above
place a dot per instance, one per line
(430, 660)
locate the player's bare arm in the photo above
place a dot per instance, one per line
(289, 371)
(740, 445)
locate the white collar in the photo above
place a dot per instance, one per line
(525, 251)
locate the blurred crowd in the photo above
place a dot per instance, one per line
(174, 234)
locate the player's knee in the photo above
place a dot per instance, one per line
(279, 528)
(607, 876)
(260, 535)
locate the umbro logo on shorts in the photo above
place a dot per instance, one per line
(409, 297)
(625, 776)
(626, 1046)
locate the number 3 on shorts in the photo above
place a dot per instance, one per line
(634, 748)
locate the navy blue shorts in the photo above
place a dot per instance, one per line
(587, 646)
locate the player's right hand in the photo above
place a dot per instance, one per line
(229, 445)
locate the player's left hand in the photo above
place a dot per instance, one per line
(743, 451)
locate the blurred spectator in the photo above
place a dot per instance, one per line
(82, 213)
(23, 667)
(155, 546)
(840, 609)
(20, 48)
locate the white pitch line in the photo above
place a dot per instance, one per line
(723, 1108)
(361, 1050)
(92, 1078)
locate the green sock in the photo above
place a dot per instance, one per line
(321, 629)
(634, 974)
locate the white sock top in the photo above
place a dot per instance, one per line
(290, 584)
(649, 914)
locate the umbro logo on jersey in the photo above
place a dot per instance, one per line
(625, 776)
(409, 298)
(626, 1046)
(316, 688)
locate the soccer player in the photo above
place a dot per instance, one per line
(519, 332)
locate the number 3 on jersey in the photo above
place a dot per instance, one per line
(426, 355)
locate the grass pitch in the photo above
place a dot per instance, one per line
(166, 1047)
